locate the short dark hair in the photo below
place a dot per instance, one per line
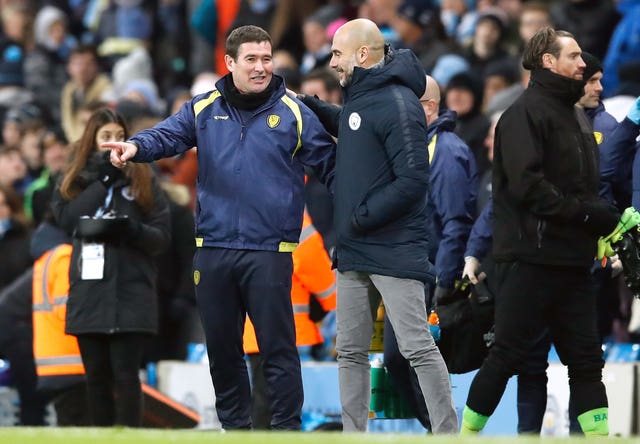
(244, 34)
(545, 41)
(326, 76)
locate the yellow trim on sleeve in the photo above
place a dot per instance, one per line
(295, 109)
(287, 247)
(203, 103)
(432, 147)
(199, 242)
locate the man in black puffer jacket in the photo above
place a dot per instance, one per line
(548, 218)
(382, 176)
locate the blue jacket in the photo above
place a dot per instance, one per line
(452, 197)
(617, 147)
(382, 170)
(481, 237)
(250, 173)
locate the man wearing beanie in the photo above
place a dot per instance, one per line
(548, 217)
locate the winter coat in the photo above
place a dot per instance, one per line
(125, 299)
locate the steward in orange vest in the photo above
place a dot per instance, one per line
(312, 275)
(56, 353)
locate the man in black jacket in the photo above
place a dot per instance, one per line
(382, 176)
(548, 217)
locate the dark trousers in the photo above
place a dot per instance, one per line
(18, 350)
(232, 284)
(531, 298)
(532, 387)
(111, 363)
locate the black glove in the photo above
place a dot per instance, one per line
(107, 173)
(598, 217)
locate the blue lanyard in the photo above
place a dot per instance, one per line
(107, 202)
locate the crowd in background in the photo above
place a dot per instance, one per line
(60, 61)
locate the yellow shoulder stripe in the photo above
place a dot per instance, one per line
(432, 147)
(203, 103)
(295, 109)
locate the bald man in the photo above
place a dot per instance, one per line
(382, 178)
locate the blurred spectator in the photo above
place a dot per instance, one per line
(15, 237)
(12, 91)
(87, 84)
(55, 153)
(317, 43)
(591, 21)
(13, 169)
(624, 47)
(628, 89)
(534, 15)
(487, 44)
(458, 18)
(499, 75)
(464, 96)
(418, 25)
(136, 65)
(503, 99)
(120, 26)
(45, 66)
(448, 66)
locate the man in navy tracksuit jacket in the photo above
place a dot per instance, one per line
(253, 142)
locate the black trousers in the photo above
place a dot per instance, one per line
(17, 347)
(531, 298)
(232, 283)
(111, 363)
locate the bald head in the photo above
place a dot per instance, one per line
(430, 100)
(356, 43)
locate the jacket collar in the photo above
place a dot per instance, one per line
(563, 88)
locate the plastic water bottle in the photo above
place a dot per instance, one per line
(378, 385)
(434, 325)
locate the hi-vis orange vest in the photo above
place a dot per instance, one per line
(55, 352)
(312, 274)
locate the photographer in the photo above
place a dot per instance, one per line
(119, 220)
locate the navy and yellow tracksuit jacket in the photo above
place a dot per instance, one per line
(250, 170)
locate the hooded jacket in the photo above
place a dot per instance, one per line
(452, 197)
(545, 166)
(382, 170)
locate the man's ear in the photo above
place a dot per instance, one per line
(229, 62)
(362, 54)
(548, 60)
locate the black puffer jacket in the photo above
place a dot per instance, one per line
(382, 170)
(545, 167)
(125, 299)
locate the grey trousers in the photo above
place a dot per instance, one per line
(358, 298)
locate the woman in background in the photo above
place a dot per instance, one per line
(119, 220)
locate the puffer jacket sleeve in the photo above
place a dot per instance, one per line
(328, 113)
